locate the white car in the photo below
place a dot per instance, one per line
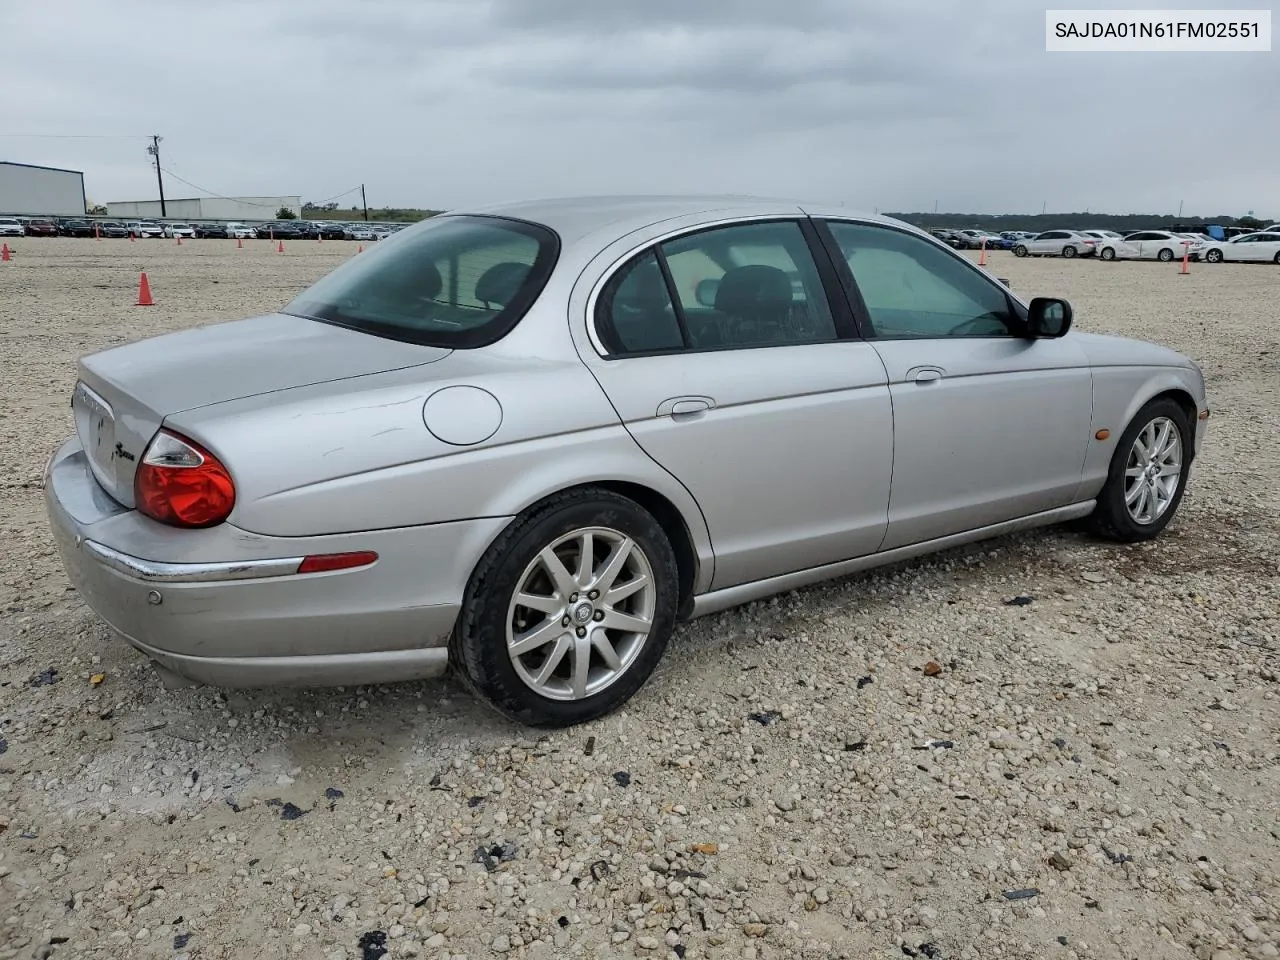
(240, 231)
(1248, 248)
(150, 228)
(1057, 243)
(358, 231)
(9, 227)
(1102, 236)
(1162, 245)
(174, 230)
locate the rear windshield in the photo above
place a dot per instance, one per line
(451, 281)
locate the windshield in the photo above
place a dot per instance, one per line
(454, 281)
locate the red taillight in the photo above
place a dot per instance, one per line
(182, 484)
(324, 562)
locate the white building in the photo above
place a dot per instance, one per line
(205, 208)
(48, 191)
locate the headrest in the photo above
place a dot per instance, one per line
(745, 290)
(501, 282)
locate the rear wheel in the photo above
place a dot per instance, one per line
(569, 611)
(1068, 251)
(1276, 258)
(1108, 253)
(1165, 255)
(1215, 256)
(1147, 477)
(1020, 251)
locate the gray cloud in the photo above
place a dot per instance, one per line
(452, 102)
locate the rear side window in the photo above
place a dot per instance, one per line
(452, 281)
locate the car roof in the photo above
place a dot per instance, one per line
(576, 217)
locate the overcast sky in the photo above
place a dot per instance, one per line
(882, 104)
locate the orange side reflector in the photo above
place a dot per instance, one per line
(1102, 434)
(1204, 414)
(325, 562)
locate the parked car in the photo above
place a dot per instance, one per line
(1258, 247)
(993, 241)
(41, 228)
(1102, 236)
(212, 231)
(358, 231)
(239, 231)
(112, 228)
(75, 228)
(545, 516)
(1056, 243)
(277, 230)
(332, 230)
(10, 227)
(176, 230)
(1162, 245)
(148, 228)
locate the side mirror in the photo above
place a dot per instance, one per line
(1048, 318)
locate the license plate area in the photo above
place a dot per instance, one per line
(96, 428)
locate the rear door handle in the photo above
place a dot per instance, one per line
(924, 375)
(685, 408)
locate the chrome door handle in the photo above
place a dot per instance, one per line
(685, 408)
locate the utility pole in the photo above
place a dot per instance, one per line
(364, 203)
(154, 150)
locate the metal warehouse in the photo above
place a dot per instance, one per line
(205, 208)
(48, 191)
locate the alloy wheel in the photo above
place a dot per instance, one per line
(581, 613)
(1153, 471)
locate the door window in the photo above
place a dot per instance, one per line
(746, 285)
(913, 289)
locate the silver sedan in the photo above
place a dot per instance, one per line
(525, 441)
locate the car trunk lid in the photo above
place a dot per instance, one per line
(125, 393)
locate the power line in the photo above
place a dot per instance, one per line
(215, 194)
(75, 136)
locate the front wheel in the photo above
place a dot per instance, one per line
(1165, 255)
(1020, 251)
(1068, 252)
(1148, 475)
(1215, 256)
(1108, 253)
(569, 611)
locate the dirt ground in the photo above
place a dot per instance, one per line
(1095, 773)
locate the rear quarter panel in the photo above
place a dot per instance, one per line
(356, 456)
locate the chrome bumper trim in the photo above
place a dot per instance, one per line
(158, 572)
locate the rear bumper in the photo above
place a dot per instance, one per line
(224, 606)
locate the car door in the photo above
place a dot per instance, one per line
(988, 425)
(730, 355)
(1268, 246)
(1248, 247)
(1041, 242)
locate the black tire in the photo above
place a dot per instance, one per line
(1020, 251)
(1110, 518)
(1276, 259)
(1068, 251)
(1165, 255)
(477, 649)
(1215, 256)
(1108, 253)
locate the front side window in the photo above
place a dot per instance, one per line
(453, 281)
(912, 289)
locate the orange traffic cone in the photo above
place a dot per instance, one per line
(982, 256)
(1186, 255)
(132, 238)
(5, 255)
(239, 243)
(179, 241)
(360, 249)
(97, 234)
(280, 246)
(144, 292)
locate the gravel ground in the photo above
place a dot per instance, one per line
(1093, 773)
